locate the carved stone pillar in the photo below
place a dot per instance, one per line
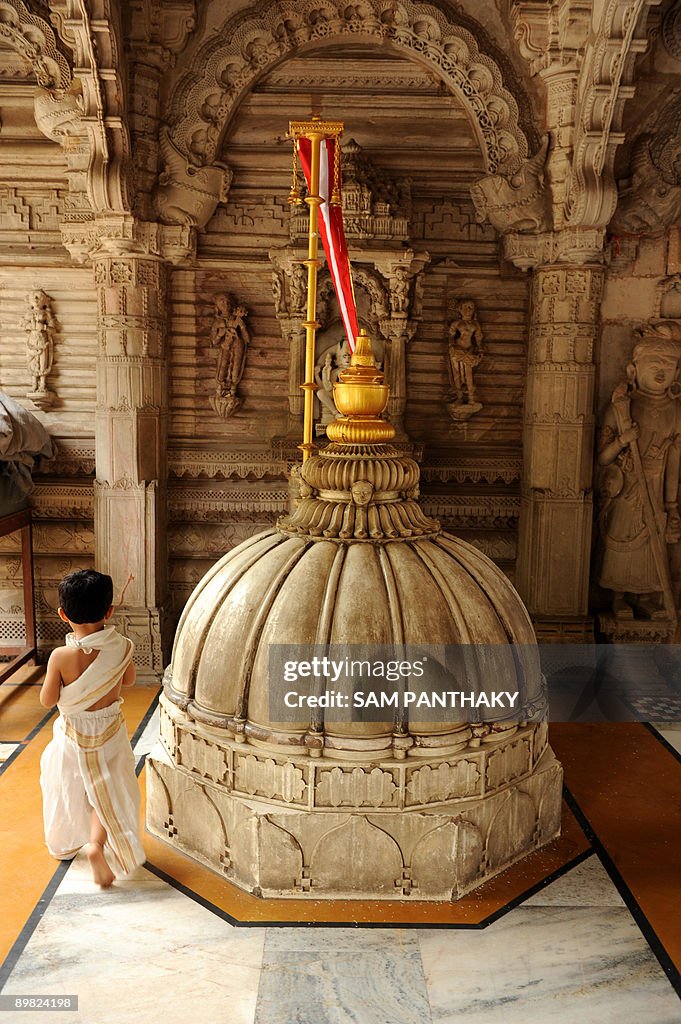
(131, 445)
(556, 499)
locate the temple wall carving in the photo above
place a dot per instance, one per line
(525, 183)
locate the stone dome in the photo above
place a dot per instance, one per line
(357, 563)
(320, 805)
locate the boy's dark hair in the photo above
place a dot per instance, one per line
(86, 595)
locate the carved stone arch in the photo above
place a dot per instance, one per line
(356, 856)
(605, 84)
(33, 39)
(374, 286)
(371, 283)
(249, 46)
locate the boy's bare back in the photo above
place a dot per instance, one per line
(66, 665)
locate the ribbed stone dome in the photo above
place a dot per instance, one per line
(316, 806)
(357, 563)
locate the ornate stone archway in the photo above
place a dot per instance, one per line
(249, 46)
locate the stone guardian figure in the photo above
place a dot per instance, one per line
(639, 451)
(230, 336)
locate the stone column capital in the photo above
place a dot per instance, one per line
(123, 235)
(572, 246)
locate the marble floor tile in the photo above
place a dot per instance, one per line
(672, 734)
(548, 965)
(141, 953)
(342, 976)
(149, 737)
(586, 885)
(7, 749)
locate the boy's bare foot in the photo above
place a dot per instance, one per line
(101, 872)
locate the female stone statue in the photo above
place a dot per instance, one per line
(465, 353)
(230, 336)
(39, 325)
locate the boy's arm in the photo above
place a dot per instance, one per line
(49, 692)
(129, 675)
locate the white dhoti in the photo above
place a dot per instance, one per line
(89, 763)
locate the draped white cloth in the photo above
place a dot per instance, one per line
(89, 761)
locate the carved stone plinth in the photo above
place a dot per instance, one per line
(225, 405)
(41, 399)
(462, 411)
(281, 825)
(636, 631)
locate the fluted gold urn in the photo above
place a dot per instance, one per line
(320, 806)
(361, 396)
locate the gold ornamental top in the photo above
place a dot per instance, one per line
(358, 487)
(361, 396)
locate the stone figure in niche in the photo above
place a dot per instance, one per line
(465, 353)
(399, 295)
(297, 287)
(39, 324)
(639, 451)
(229, 335)
(326, 372)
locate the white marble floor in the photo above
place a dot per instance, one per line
(6, 750)
(146, 953)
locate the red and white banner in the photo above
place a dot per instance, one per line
(331, 231)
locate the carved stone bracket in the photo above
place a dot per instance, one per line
(650, 198)
(187, 194)
(520, 202)
(586, 60)
(89, 110)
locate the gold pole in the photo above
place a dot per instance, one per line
(315, 130)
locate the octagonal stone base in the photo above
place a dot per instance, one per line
(289, 826)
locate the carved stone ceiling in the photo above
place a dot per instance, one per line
(401, 116)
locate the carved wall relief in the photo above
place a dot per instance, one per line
(230, 336)
(465, 354)
(39, 324)
(519, 202)
(639, 451)
(374, 205)
(326, 372)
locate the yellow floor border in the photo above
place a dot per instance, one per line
(26, 867)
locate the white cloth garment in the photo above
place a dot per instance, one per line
(89, 761)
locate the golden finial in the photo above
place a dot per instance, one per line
(361, 396)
